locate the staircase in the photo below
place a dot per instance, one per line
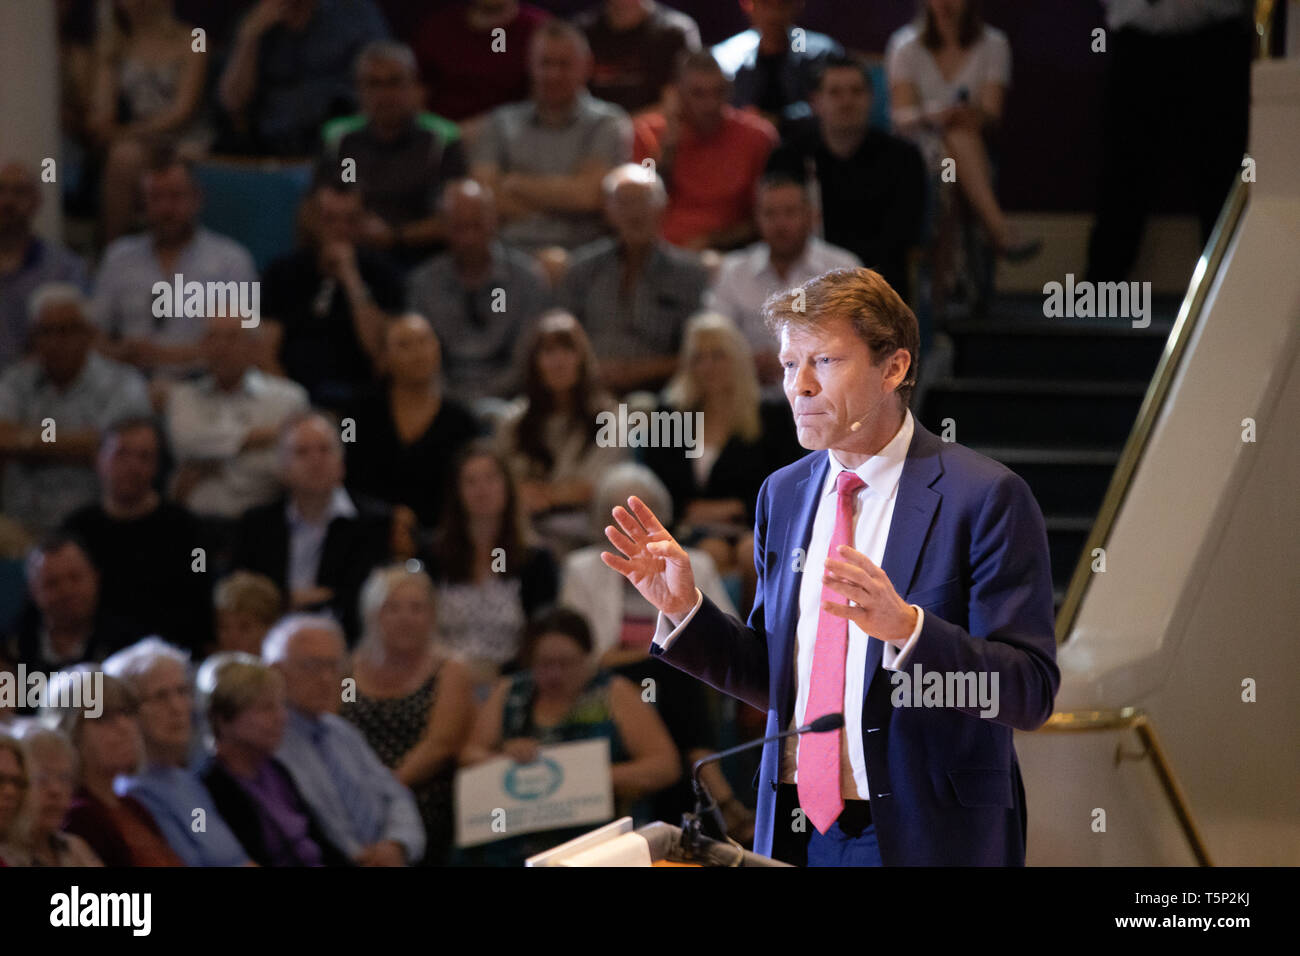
(1053, 400)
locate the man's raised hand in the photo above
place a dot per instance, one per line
(651, 559)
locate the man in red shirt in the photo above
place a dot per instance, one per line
(710, 154)
(467, 65)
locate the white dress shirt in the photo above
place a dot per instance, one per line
(873, 512)
(307, 538)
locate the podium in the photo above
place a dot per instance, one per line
(656, 844)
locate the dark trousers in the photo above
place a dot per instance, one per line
(1176, 108)
(850, 841)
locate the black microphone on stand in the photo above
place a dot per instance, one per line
(692, 834)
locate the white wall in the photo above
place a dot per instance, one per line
(1202, 587)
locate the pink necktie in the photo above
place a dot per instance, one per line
(819, 754)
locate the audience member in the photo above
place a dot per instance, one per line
(145, 546)
(27, 261)
(325, 304)
(787, 254)
(871, 184)
(157, 673)
(364, 810)
(634, 44)
(744, 439)
(623, 623)
(290, 70)
(14, 784)
(710, 155)
(562, 697)
(771, 66)
(39, 838)
(479, 296)
(54, 407)
(544, 158)
(149, 330)
(409, 427)
(414, 704)
(549, 435)
(246, 606)
(490, 576)
(149, 90)
(120, 829)
(402, 157)
(244, 701)
(62, 622)
(316, 543)
(468, 67)
(948, 74)
(634, 292)
(223, 426)
(1174, 73)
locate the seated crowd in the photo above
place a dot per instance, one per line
(335, 533)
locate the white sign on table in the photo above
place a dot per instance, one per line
(567, 785)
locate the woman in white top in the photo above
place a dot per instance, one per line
(948, 73)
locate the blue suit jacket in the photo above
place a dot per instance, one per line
(966, 543)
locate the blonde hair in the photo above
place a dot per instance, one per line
(379, 587)
(230, 683)
(245, 592)
(682, 392)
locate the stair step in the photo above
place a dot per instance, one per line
(1050, 350)
(988, 411)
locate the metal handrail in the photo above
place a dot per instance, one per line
(1189, 318)
(1132, 718)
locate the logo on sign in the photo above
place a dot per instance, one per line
(534, 781)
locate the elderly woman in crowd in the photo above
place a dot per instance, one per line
(549, 434)
(743, 440)
(158, 674)
(120, 829)
(35, 837)
(490, 577)
(414, 704)
(562, 697)
(247, 604)
(13, 788)
(247, 713)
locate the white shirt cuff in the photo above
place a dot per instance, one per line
(892, 658)
(663, 636)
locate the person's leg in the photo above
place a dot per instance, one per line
(1222, 61)
(1128, 136)
(975, 177)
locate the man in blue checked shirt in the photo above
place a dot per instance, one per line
(362, 806)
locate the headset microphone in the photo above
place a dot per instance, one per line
(858, 424)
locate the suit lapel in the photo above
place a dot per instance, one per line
(798, 532)
(914, 510)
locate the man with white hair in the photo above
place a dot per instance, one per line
(54, 406)
(159, 674)
(26, 260)
(363, 808)
(634, 293)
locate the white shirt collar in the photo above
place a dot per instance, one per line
(340, 506)
(881, 471)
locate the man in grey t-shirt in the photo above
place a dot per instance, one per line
(544, 158)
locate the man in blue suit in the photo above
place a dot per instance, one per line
(885, 549)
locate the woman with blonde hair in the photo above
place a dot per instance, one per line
(42, 770)
(245, 702)
(414, 704)
(742, 439)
